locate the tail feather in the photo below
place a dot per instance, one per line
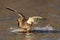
(11, 9)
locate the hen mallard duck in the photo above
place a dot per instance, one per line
(24, 23)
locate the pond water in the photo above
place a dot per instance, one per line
(50, 9)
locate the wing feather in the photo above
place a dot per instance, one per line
(18, 13)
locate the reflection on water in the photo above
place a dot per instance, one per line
(37, 36)
(29, 36)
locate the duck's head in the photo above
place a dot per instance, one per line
(35, 19)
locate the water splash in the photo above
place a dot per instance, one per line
(48, 27)
(16, 29)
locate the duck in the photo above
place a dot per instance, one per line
(26, 24)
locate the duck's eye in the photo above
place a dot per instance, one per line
(35, 19)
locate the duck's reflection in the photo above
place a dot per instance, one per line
(29, 36)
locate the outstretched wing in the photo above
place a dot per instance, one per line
(35, 19)
(18, 13)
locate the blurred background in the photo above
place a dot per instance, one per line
(50, 9)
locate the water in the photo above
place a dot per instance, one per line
(49, 9)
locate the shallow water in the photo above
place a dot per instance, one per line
(49, 9)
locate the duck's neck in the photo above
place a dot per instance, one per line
(29, 22)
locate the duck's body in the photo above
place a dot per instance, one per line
(26, 24)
